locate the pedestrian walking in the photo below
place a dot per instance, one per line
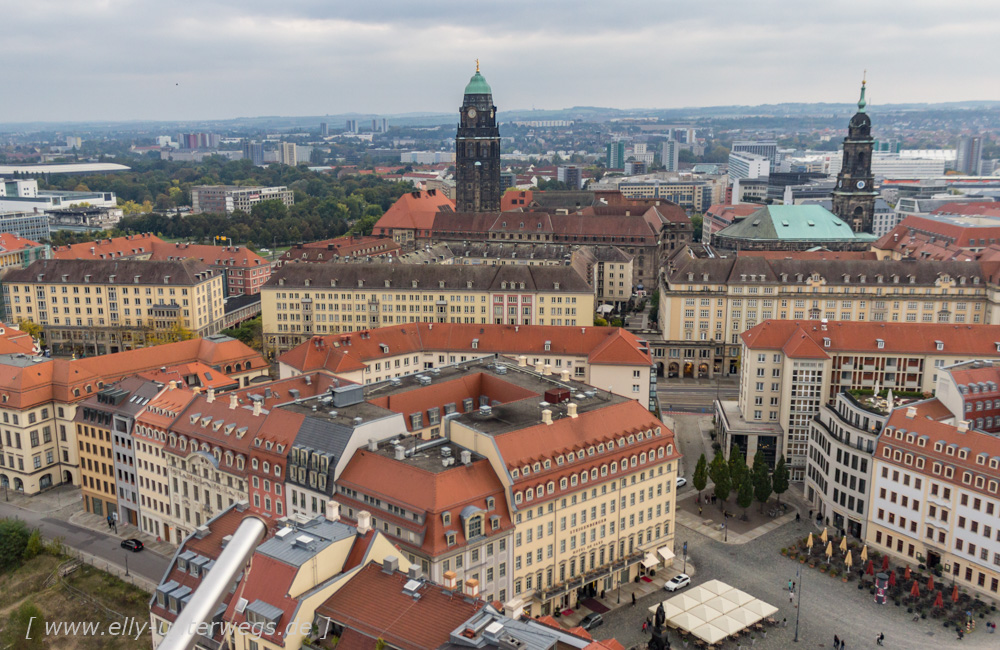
(633, 599)
(790, 585)
(784, 622)
(836, 642)
(843, 645)
(791, 596)
(880, 638)
(644, 627)
(793, 586)
(699, 511)
(798, 516)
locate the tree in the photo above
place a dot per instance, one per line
(31, 328)
(25, 628)
(737, 466)
(700, 478)
(744, 497)
(14, 536)
(720, 476)
(34, 546)
(600, 322)
(698, 222)
(780, 479)
(761, 479)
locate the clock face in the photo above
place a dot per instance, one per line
(840, 183)
(471, 113)
(861, 185)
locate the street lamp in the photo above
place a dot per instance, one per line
(126, 562)
(725, 526)
(798, 606)
(685, 558)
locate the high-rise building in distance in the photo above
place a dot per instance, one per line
(287, 154)
(670, 154)
(969, 155)
(616, 155)
(254, 152)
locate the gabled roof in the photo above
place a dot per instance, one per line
(792, 223)
(11, 242)
(373, 603)
(341, 353)
(414, 210)
(809, 338)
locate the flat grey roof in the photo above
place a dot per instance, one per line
(321, 533)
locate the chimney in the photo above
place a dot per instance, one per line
(547, 416)
(256, 407)
(332, 510)
(400, 452)
(233, 401)
(472, 588)
(172, 385)
(571, 410)
(539, 367)
(522, 361)
(211, 395)
(564, 375)
(963, 426)
(547, 370)
(466, 457)
(372, 444)
(450, 579)
(911, 412)
(364, 522)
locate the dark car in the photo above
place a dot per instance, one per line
(134, 545)
(590, 621)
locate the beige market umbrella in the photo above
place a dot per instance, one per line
(822, 535)
(829, 550)
(864, 553)
(760, 608)
(843, 544)
(717, 587)
(700, 594)
(704, 612)
(686, 621)
(737, 596)
(744, 616)
(709, 633)
(809, 542)
(728, 624)
(848, 561)
(721, 604)
(683, 602)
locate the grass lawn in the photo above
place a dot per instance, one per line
(60, 604)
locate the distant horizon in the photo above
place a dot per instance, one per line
(747, 110)
(116, 61)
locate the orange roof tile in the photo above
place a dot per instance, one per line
(425, 623)
(14, 341)
(11, 242)
(414, 210)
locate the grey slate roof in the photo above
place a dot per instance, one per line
(429, 277)
(180, 272)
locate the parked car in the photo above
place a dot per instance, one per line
(590, 621)
(679, 581)
(134, 545)
(681, 481)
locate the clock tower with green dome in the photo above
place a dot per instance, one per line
(854, 195)
(477, 150)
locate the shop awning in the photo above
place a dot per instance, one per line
(666, 553)
(650, 561)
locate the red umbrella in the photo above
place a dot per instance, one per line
(930, 583)
(939, 601)
(906, 574)
(885, 563)
(954, 593)
(892, 579)
(915, 592)
(870, 568)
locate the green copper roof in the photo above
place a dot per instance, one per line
(478, 86)
(861, 102)
(793, 222)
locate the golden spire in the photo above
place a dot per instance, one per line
(864, 76)
(477, 65)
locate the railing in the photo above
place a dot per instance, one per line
(114, 569)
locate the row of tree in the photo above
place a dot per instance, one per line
(750, 483)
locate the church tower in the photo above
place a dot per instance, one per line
(854, 196)
(477, 150)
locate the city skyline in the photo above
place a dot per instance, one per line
(199, 61)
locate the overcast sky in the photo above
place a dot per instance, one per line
(206, 59)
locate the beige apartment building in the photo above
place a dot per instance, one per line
(935, 498)
(590, 479)
(792, 368)
(707, 303)
(106, 306)
(302, 300)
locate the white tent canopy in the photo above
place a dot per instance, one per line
(714, 611)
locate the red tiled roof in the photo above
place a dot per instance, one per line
(913, 338)
(269, 580)
(14, 341)
(207, 376)
(432, 493)
(149, 245)
(118, 247)
(414, 210)
(971, 209)
(811, 255)
(602, 345)
(11, 242)
(373, 603)
(975, 442)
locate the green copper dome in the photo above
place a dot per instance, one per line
(478, 86)
(861, 102)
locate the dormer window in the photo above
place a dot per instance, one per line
(446, 518)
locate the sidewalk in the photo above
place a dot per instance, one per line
(709, 522)
(640, 589)
(64, 503)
